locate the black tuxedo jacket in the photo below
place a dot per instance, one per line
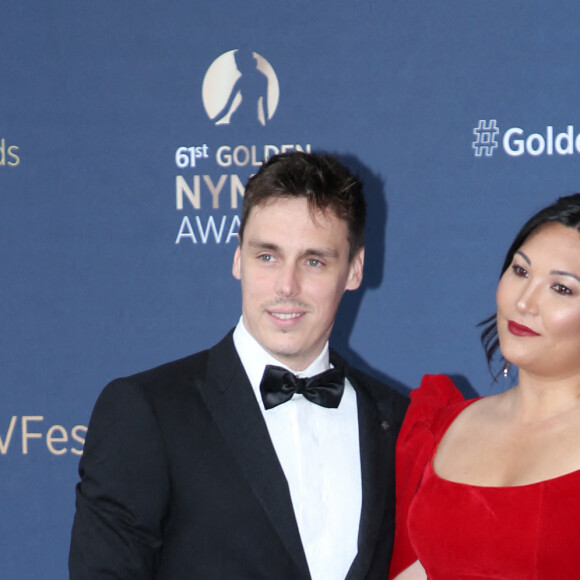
(180, 480)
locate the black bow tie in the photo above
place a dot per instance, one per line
(325, 389)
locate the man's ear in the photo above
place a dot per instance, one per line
(236, 267)
(355, 274)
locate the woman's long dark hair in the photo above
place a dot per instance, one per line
(565, 211)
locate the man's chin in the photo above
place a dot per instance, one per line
(284, 354)
(290, 356)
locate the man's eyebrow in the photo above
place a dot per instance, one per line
(322, 252)
(259, 245)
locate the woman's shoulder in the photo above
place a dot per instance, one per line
(437, 394)
(436, 391)
(433, 406)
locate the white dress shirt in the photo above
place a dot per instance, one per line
(318, 449)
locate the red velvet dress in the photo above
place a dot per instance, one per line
(467, 532)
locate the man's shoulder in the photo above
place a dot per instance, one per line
(167, 394)
(180, 372)
(171, 369)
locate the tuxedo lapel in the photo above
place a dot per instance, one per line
(374, 483)
(375, 441)
(232, 403)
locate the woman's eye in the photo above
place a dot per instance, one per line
(518, 270)
(561, 289)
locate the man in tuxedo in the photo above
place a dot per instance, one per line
(241, 461)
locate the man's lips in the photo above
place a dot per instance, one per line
(520, 329)
(286, 311)
(285, 315)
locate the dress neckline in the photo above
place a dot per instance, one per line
(431, 472)
(434, 474)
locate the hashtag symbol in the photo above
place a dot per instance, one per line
(485, 138)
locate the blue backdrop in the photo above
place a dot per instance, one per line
(123, 150)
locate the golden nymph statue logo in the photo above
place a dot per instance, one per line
(240, 86)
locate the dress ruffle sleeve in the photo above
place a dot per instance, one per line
(427, 417)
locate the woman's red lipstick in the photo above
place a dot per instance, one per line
(520, 329)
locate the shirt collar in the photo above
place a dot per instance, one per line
(255, 357)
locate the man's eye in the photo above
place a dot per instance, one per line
(265, 257)
(314, 263)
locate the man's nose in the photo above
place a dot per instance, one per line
(288, 283)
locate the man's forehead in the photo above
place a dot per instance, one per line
(298, 205)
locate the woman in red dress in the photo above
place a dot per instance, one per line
(490, 488)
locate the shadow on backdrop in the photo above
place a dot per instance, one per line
(463, 384)
(374, 188)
